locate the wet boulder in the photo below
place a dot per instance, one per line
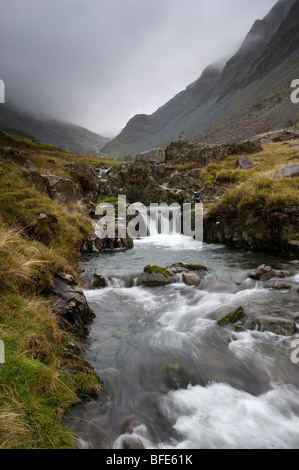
(69, 304)
(192, 274)
(277, 325)
(233, 317)
(155, 276)
(191, 279)
(278, 285)
(262, 273)
(99, 281)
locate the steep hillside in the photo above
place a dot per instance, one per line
(249, 94)
(61, 134)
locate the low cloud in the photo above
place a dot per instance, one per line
(98, 62)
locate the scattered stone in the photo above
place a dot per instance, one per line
(262, 273)
(232, 317)
(244, 163)
(258, 160)
(295, 157)
(290, 171)
(295, 262)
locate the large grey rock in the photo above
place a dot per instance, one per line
(154, 280)
(244, 163)
(87, 178)
(69, 303)
(39, 182)
(152, 156)
(61, 188)
(290, 171)
(154, 276)
(17, 158)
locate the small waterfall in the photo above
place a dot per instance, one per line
(116, 283)
(162, 221)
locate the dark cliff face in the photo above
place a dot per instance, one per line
(231, 99)
(235, 73)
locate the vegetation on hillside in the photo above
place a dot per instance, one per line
(256, 187)
(42, 377)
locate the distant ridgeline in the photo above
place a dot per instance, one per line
(232, 100)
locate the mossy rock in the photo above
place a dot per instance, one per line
(232, 317)
(156, 269)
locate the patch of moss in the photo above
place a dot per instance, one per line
(232, 317)
(156, 269)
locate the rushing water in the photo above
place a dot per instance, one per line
(172, 378)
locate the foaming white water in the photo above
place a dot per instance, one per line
(198, 314)
(116, 282)
(296, 278)
(171, 242)
(144, 297)
(220, 416)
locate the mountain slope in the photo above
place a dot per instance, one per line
(61, 134)
(247, 95)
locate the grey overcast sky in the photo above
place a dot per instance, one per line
(97, 63)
